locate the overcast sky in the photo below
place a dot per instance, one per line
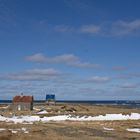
(76, 49)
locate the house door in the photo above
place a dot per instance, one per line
(19, 107)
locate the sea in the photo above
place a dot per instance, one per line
(124, 103)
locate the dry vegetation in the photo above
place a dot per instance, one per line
(72, 131)
(69, 130)
(78, 109)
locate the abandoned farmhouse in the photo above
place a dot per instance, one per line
(22, 103)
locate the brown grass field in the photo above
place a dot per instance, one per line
(72, 130)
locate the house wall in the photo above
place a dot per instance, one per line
(22, 106)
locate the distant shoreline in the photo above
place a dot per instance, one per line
(87, 101)
(127, 103)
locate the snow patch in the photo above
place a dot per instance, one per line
(4, 107)
(2, 129)
(108, 129)
(42, 112)
(107, 117)
(24, 130)
(137, 130)
(14, 132)
(36, 109)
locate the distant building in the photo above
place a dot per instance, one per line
(23, 103)
(50, 99)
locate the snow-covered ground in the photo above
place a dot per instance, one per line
(4, 107)
(2, 129)
(14, 131)
(42, 112)
(108, 129)
(137, 130)
(37, 109)
(107, 117)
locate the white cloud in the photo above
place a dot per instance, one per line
(49, 72)
(33, 74)
(68, 59)
(128, 76)
(85, 65)
(90, 29)
(99, 79)
(119, 68)
(127, 86)
(40, 58)
(115, 28)
(120, 28)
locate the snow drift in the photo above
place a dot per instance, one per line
(107, 117)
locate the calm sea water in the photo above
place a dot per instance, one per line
(125, 103)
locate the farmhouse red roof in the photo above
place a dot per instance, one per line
(26, 99)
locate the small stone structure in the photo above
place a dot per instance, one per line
(22, 103)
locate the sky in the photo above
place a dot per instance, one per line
(75, 49)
